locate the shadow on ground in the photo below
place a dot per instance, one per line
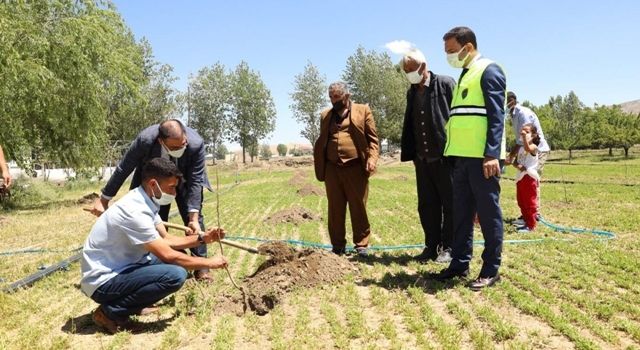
(84, 325)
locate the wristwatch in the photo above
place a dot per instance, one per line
(201, 238)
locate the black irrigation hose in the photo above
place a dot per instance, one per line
(28, 281)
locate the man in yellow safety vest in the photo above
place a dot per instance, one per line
(476, 145)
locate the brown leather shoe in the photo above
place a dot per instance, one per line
(114, 326)
(100, 319)
(203, 276)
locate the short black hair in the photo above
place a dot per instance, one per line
(160, 168)
(463, 35)
(511, 95)
(171, 128)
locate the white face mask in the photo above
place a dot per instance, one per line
(164, 199)
(175, 154)
(454, 61)
(414, 77)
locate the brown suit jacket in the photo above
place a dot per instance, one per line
(362, 129)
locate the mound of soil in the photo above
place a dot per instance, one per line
(309, 189)
(88, 199)
(401, 178)
(288, 269)
(3, 220)
(298, 179)
(295, 215)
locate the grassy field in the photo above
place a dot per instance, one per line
(560, 294)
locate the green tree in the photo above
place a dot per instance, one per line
(153, 100)
(253, 149)
(625, 128)
(253, 113)
(309, 97)
(375, 80)
(208, 103)
(69, 71)
(265, 151)
(221, 151)
(282, 149)
(567, 114)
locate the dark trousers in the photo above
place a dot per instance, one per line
(200, 250)
(473, 193)
(137, 287)
(435, 201)
(347, 185)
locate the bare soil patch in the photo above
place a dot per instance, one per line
(88, 199)
(309, 190)
(3, 220)
(295, 215)
(287, 269)
(298, 179)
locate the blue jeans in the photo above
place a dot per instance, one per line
(137, 287)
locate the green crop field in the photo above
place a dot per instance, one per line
(568, 291)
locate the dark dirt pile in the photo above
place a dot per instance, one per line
(309, 189)
(295, 215)
(286, 269)
(290, 268)
(88, 199)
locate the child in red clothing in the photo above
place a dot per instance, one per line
(527, 180)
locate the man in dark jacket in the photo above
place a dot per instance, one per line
(423, 141)
(183, 146)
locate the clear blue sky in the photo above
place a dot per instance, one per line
(546, 47)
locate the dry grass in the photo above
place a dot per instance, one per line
(561, 295)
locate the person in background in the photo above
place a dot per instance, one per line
(182, 145)
(129, 261)
(521, 115)
(344, 156)
(4, 170)
(527, 179)
(423, 140)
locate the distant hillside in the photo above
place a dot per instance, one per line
(632, 107)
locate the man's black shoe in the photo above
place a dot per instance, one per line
(426, 256)
(483, 282)
(448, 274)
(338, 251)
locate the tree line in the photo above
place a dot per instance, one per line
(76, 87)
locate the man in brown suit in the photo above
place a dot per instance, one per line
(345, 154)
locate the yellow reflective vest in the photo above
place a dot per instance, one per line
(467, 125)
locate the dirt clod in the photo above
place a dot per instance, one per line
(309, 189)
(88, 199)
(295, 215)
(279, 251)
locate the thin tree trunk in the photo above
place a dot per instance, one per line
(626, 152)
(610, 152)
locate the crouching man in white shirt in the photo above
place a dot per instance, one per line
(129, 262)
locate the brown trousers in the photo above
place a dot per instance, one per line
(349, 185)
